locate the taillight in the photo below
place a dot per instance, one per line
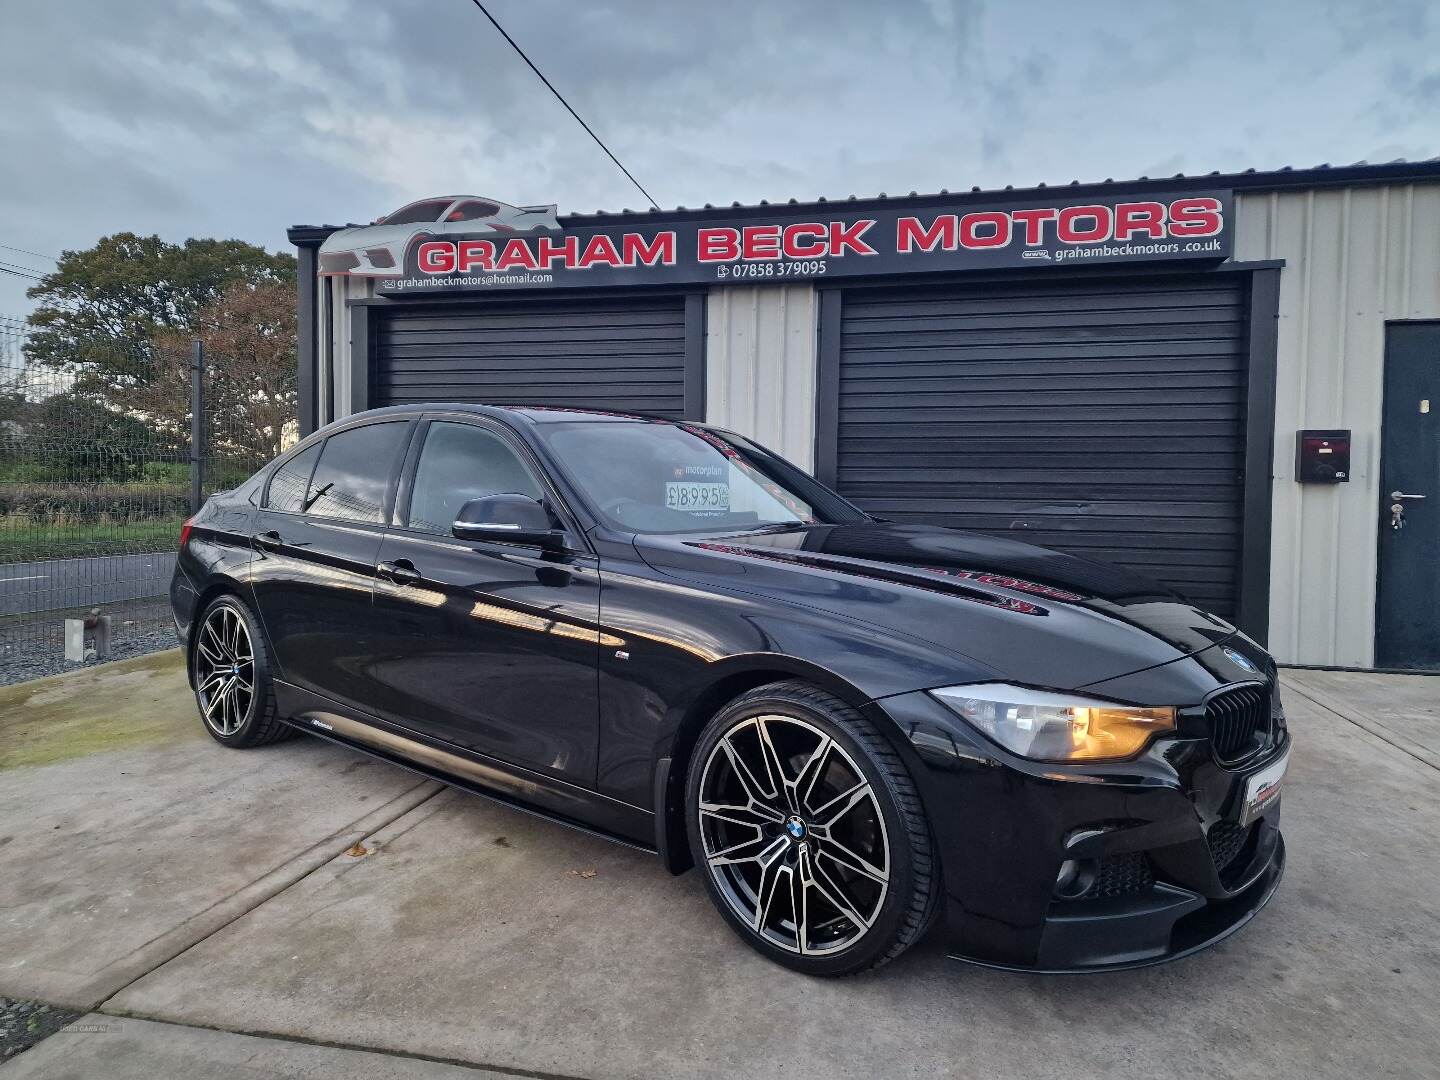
(185, 532)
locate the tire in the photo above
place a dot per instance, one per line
(843, 838)
(236, 696)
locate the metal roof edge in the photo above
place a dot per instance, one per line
(310, 235)
(1321, 176)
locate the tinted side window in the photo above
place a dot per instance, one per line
(418, 213)
(354, 468)
(472, 211)
(287, 486)
(460, 462)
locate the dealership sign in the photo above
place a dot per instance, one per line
(445, 256)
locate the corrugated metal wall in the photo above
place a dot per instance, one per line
(760, 366)
(1354, 259)
(333, 386)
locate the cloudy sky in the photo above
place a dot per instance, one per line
(240, 117)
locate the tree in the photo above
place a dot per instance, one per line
(102, 309)
(250, 380)
(70, 437)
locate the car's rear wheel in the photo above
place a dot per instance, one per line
(232, 677)
(809, 832)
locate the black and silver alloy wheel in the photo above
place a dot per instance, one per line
(793, 836)
(224, 670)
(809, 832)
(230, 670)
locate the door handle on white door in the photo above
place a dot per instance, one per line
(1401, 495)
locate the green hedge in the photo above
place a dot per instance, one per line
(91, 502)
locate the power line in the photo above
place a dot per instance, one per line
(21, 266)
(27, 251)
(559, 97)
(17, 273)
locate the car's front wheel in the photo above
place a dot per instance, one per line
(809, 832)
(232, 677)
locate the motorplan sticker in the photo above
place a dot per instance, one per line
(698, 489)
(686, 495)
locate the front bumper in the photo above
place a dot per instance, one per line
(1161, 923)
(1165, 869)
(373, 260)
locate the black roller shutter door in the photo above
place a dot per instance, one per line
(625, 355)
(1106, 419)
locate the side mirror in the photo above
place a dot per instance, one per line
(508, 518)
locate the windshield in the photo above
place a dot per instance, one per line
(668, 478)
(418, 213)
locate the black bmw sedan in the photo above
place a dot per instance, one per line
(662, 633)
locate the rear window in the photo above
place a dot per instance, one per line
(353, 472)
(287, 486)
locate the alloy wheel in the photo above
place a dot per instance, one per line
(793, 835)
(224, 670)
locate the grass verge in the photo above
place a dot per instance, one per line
(115, 706)
(23, 540)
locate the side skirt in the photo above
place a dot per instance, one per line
(519, 789)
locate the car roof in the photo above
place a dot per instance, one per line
(447, 199)
(534, 414)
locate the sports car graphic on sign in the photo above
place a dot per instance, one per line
(378, 250)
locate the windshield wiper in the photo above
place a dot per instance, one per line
(321, 490)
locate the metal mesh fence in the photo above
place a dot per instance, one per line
(249, 416)
(95, 482)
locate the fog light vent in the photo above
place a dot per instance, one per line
(1120, 875)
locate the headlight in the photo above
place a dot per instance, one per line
(1048, 726)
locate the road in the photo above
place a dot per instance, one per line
(55, 584)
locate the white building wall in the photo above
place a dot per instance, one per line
(1354, 258)
(760, 366)
(335, 369)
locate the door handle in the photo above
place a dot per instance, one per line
(267, 541)
(1398, 495)
(400, 572)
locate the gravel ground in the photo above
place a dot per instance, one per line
(24, 1023)
(33, 649)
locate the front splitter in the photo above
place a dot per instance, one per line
(1245, 906)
